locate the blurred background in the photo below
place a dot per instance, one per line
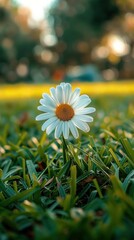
(44, 41)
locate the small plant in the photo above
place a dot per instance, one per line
(65, 111)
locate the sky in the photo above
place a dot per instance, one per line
(37, 7)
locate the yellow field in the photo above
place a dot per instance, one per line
(21, 91)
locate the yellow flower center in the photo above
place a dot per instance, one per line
(64, 112)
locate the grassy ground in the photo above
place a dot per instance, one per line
(78, 189)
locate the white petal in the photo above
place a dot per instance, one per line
(47, 104)
(65, 129)
(45, 109)
(48, 100)
(58, 130)
(63, 84)
(73, 129)
(53, 94)
(79, 124)
(85, 118)
(59, 94)
(44, 116)
(82, 101)
(51, 127)
(74, 96)
(85, 111)
(48, 122)
(67, 92)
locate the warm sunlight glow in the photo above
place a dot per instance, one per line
(118, 45)
(37, 8)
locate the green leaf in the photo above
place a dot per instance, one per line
(64, 169)
(31, 169)
(127, 180)
(7, 190)
(61, 189)
(73, 181)
(129, 150)
(19, 196)
(116, 159)
(6, 168)
(94, 205)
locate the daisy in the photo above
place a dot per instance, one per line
(65, 111)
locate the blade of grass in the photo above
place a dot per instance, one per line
(97, 187)
(116, 159)
(19, 196)
(31, 169)
(129, 151)
(73, 181)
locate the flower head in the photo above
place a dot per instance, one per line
(65, 111)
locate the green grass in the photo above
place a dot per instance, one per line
(81, 189)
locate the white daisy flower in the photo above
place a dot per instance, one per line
(65, 111)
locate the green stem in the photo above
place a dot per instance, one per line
(73, 181)
(64, 148)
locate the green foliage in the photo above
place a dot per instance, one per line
(81, 189)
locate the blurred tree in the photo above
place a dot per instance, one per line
(78, 25)
(16, 47)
